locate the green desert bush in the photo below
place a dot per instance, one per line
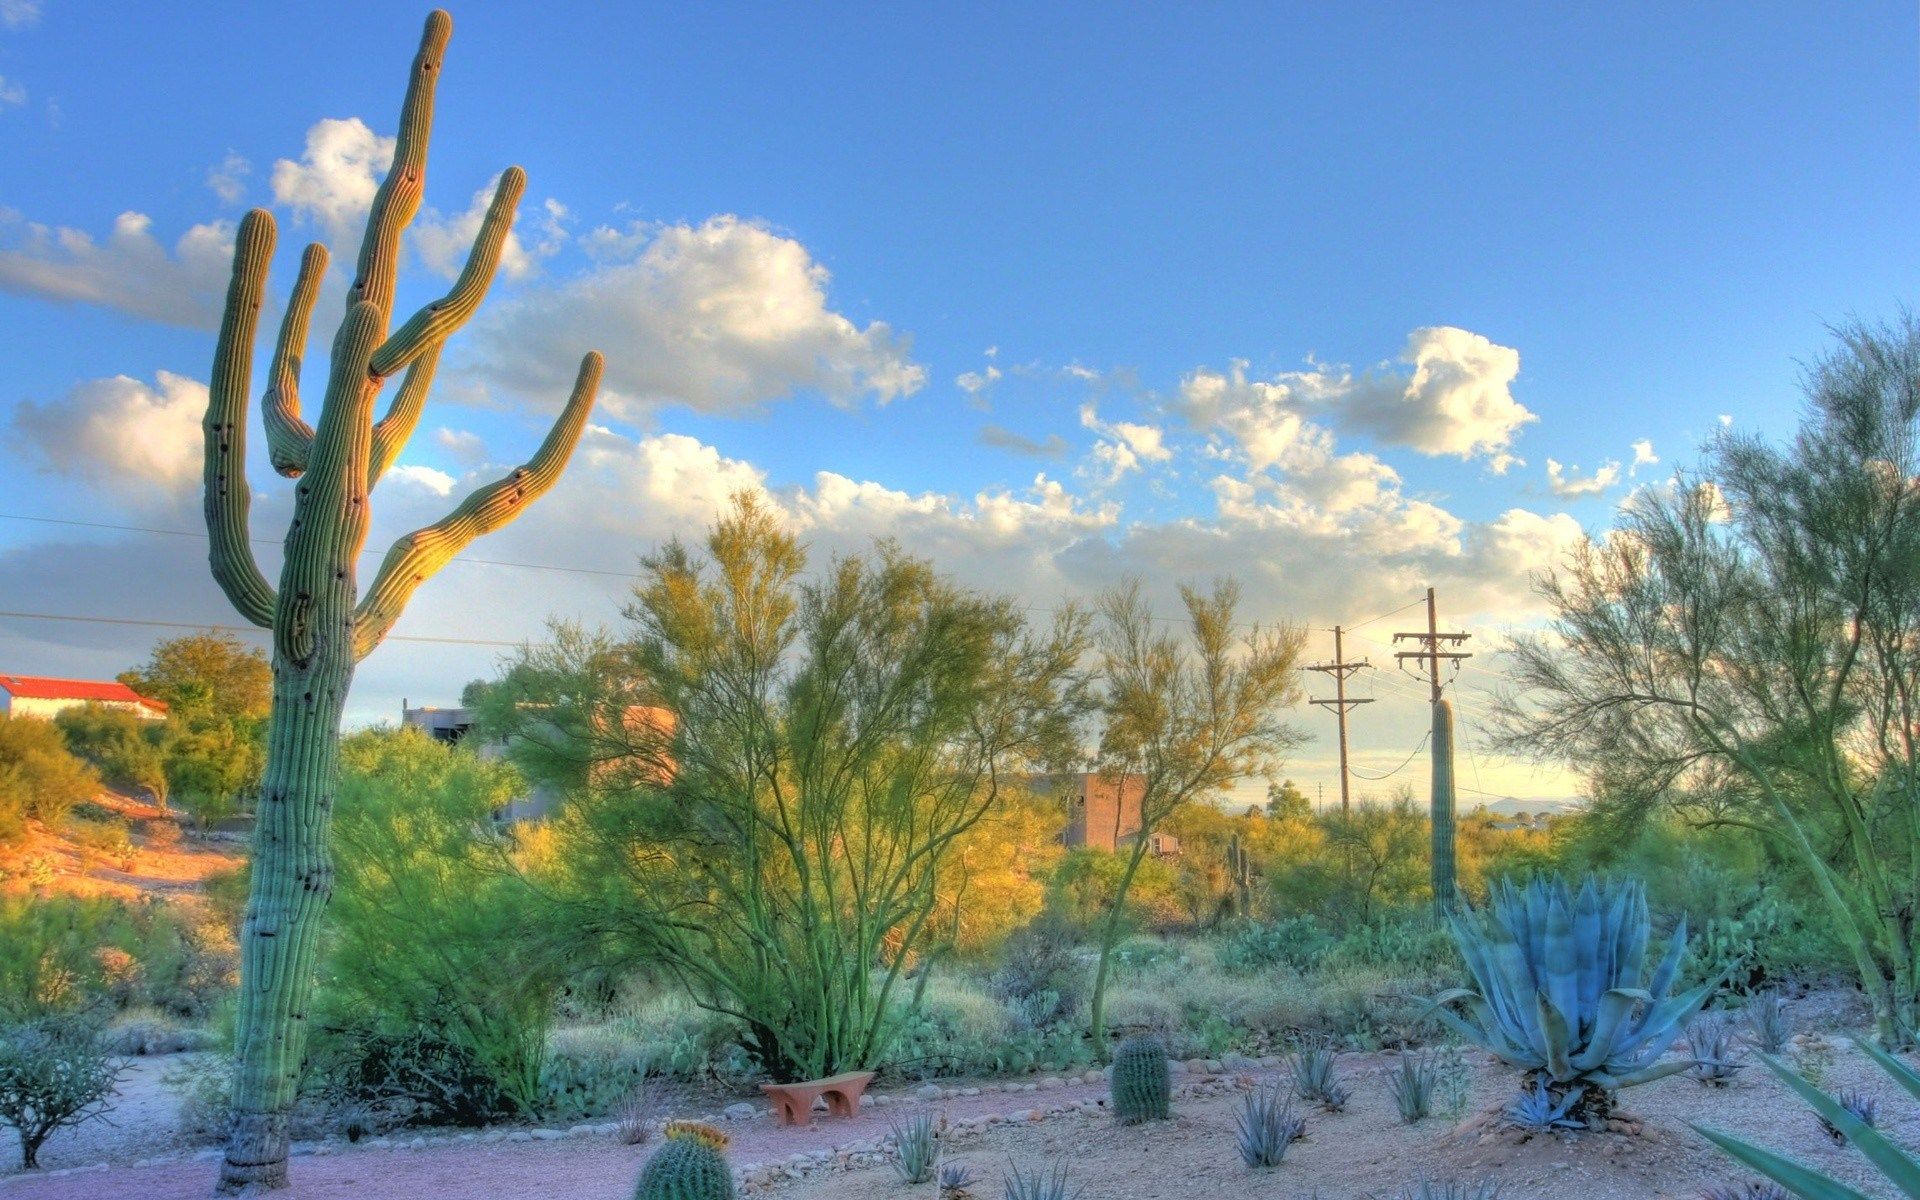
(55, 1072)
(61, 953)
(1297, 942)
(441, 970)
(40, 778)
(591, 1073)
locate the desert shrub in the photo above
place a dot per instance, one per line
(590, 1073)
(1770, 1024)
(40, 779)
(1041, 975)
(54, 1072)
(148, 1031)
(60, 953)
(1716, 1055)
(1296, 942)
(1414, 1081)
(1266, 1126)
(441, 973)
(684, 1040)
(128, 751)
(204, 1084)
(110, 838)
(915, 1148)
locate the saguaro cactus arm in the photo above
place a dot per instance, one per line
(398, 197)
(289, 437)
(228, 498)
(392, 432)
(415, 557)
(437, 321)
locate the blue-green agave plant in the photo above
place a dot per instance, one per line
(1561, 985)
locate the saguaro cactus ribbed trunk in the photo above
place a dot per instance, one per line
(1442, 806)
(322, 624)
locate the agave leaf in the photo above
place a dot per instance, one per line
(1561, 969)
(1896, 1164)
(1555, 1037)
(1643, 1075)
(1670, 965)
(1615, 1007)
(1904, 1075)
(1802, 1182)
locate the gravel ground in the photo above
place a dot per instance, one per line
(1362, 1152)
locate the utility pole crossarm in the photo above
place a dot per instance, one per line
(1430, 640)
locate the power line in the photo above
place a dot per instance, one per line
(1341, 669)
(1403, 762)
(250, 630)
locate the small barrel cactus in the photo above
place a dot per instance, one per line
(1141, 1084)
(690, 1165)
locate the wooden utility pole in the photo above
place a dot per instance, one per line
(1441, 806)
(1340, 669)
(1430, 643)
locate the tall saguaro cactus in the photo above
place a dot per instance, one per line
(1441, 811)
(322, 624)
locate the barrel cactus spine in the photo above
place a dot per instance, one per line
(1142, 1086)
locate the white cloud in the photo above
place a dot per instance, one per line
(1122, 448)
(19, 14)
(1643, 456)
(131, 271)
(442, 241)
(1567, 483)
(1457, 400)
(973, 383)
(334, 182)
(13, 93)
(723, 317)
(229, 179)
(464, 446)
(139, 443)
(427, 479)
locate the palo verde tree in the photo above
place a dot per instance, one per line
(1743, 646)
(770, 773)
(1184, 718)
(322, 623)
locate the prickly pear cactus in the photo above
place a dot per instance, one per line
(691, 1165)
(1141, 1088)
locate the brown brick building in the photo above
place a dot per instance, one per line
(1103, 812)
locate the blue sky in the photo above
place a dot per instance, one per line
(1307, 293)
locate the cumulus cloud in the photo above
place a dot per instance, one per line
(1123, 447)
(1457, 400)
(138, 443)
(724, 316)
(430, 480)
(130, 271)
(229, 179)
(464, 446)
(442, 241)
(1643, 455)
(333, 183)
(1054, 446)
(1568, 484)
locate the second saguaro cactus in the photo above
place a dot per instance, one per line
(322, 623)
(1441, 808)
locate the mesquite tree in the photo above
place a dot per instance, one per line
(1741, 647)
(770, 776)
(321, 621)
(1184, 718)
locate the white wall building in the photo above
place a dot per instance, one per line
(40, 696)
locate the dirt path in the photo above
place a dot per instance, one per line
(1364, 1151)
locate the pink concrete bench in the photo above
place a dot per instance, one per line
(793, 1102)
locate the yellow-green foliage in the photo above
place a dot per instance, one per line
(39, 777)
(435, 932)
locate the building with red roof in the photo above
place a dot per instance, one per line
(40, 696)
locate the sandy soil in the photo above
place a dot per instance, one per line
(1362, 1152)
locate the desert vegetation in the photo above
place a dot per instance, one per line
(824, 819)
